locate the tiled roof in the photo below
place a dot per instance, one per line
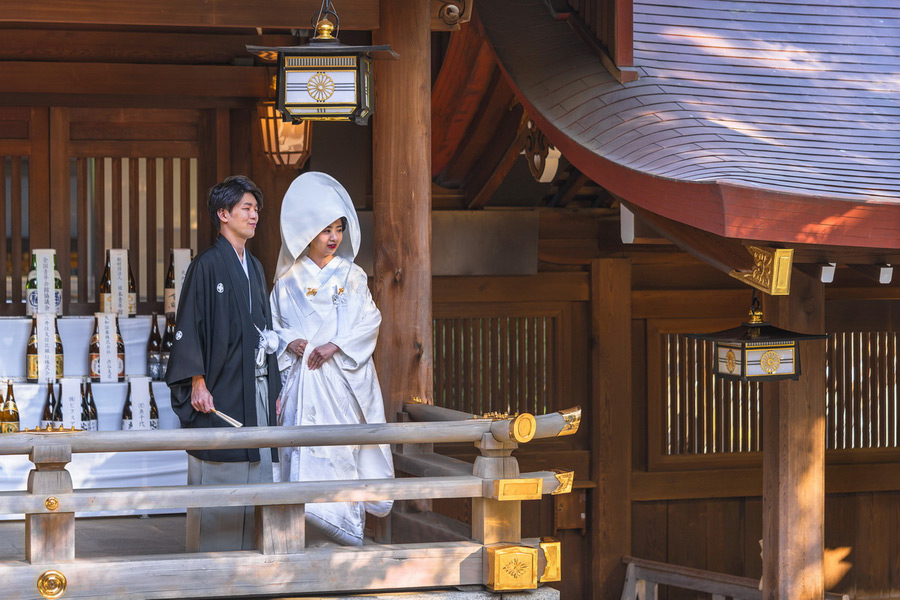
(757, 120)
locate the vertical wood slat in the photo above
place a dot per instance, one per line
(54, 231)
(455, 400)
(488, 367)
(830, 402)
(890, 356)
(16, 228)
(81, 187)
(168, 206)
(522, 404)
(134, 222)
(839, 396)
(468, 364)
(4, 293)
(865, 388)
(185, 181)
(152, 255)
(502, 401)
(117, 223)
(674, 425)
(534, 388)
(100, 241)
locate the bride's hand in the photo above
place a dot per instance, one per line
(278, 406)
(298, 347)
(318, 356)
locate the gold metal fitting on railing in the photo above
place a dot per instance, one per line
(51, 429)
(51, 584)
(565, 479)
(522, 428)
(572, 416)
(511, 567)
(52, 503)
(552, 549)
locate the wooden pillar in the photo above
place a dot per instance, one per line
(611, 425)
(401, 196)
(794, 454)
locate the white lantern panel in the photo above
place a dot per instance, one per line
(766, 362)
(320, 87)
(729, 360)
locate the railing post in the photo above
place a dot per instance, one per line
(281, 529)
(50, 538)
(496, 521)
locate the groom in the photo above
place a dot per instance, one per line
(219, 362)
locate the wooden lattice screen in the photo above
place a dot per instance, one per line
(496, 362)
(708, 416)
(147, 205)
(82, 180)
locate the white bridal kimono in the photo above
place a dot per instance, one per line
(331, 305)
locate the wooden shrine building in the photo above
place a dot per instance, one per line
(557, 192)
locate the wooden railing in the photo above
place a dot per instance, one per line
(643, 578)
(282, 563)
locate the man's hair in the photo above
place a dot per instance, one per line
(228, 193)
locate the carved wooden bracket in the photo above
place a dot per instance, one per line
(448, 15)
(542, 157)
(771, 271)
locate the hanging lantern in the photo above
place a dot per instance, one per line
(756, 351)
(324, 80)
(285, 144)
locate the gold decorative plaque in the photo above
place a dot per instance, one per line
(572, 417)
(51, 584)
(552, 549)
(511, 567)
(518, 489)
(565, 479)
(771, 271)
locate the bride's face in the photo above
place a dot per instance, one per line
(327, 242)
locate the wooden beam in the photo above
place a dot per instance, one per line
(130, 79)
(881, 274)
(569, 188)
(611, 425)
(250, 573)
(273, 14)
(794, 455)
(401, 199)
(54, 45)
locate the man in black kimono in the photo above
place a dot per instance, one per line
(219, 362)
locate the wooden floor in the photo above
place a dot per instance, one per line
(107, 536)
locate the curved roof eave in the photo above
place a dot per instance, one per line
(717, 133)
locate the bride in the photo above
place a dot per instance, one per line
(327, 324)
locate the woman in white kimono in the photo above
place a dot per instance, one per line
(327, 326)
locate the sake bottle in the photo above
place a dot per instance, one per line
(169, 294)
(105, 290)
(132, 293)
(92, 407)
(31, 354)
(154, 411)
(31, 293)
(49, 409)
(166, 349)
(154, 344)
(60, 362)
(85, 411)
(94, 353)
(9, 412)
(127, 420)
(57, 408)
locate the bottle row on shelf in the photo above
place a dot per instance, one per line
(117, 290)
(79, 410)
(158, 349)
